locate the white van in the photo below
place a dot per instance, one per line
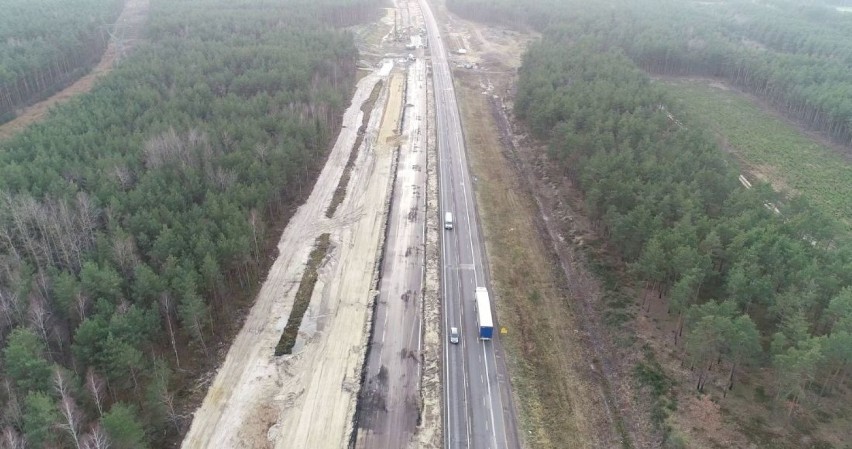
(448, 220)
(454, 335)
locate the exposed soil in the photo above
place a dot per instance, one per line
(303, 296)
(129, 26)
(340, 191)
(394, 398)
(429, 432)
(307, 399)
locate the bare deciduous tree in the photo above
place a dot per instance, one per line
(256, 223)
(68, 408)
(223, 178)
(261, 150)
(17, 213)
(87, 218)
(168, 400)
(8, 308)
(192, 149)
(12, 413)
(6, 238)
(166, 308)
(13, 440)
(124, 249)
(39, 315)
(95, 439)
(51, 232)
(161, 381)
(96, 386)
(81, 304)
(123, 176)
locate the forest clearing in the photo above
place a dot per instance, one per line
(771, 149)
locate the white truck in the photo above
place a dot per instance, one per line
(448, 220)
(483, 314)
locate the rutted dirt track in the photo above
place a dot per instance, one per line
(307, 400)
(127, 31)
(389, 405)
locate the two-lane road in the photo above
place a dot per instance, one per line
(477, 413)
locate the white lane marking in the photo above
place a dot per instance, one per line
(384, 326)
(447, 426)
(444, 181)
(490, 399)
(463, 166)
(465, 175)
(441, 59)
(487, 381)
(464, 360)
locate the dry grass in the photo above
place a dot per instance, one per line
(559, 396)
(547, 361)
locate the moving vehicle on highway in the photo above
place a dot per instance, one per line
(448, 220)
(454, 335)
(483, 314)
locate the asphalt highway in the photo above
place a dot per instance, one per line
(478, 411)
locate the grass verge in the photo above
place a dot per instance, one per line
(544, 355)
(340, 191)
(303, 296)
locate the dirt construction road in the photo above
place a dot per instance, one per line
(389, 408)
(307, 400)
(128, 29)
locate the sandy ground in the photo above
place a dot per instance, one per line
(307, 400)
(491, 50)
(430, 434)
(400, 403)
(128, 28)
(388, 407)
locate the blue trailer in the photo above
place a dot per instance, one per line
(483, 314)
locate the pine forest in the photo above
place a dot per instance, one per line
(47, 44)
(137, 217)
(756, 281)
